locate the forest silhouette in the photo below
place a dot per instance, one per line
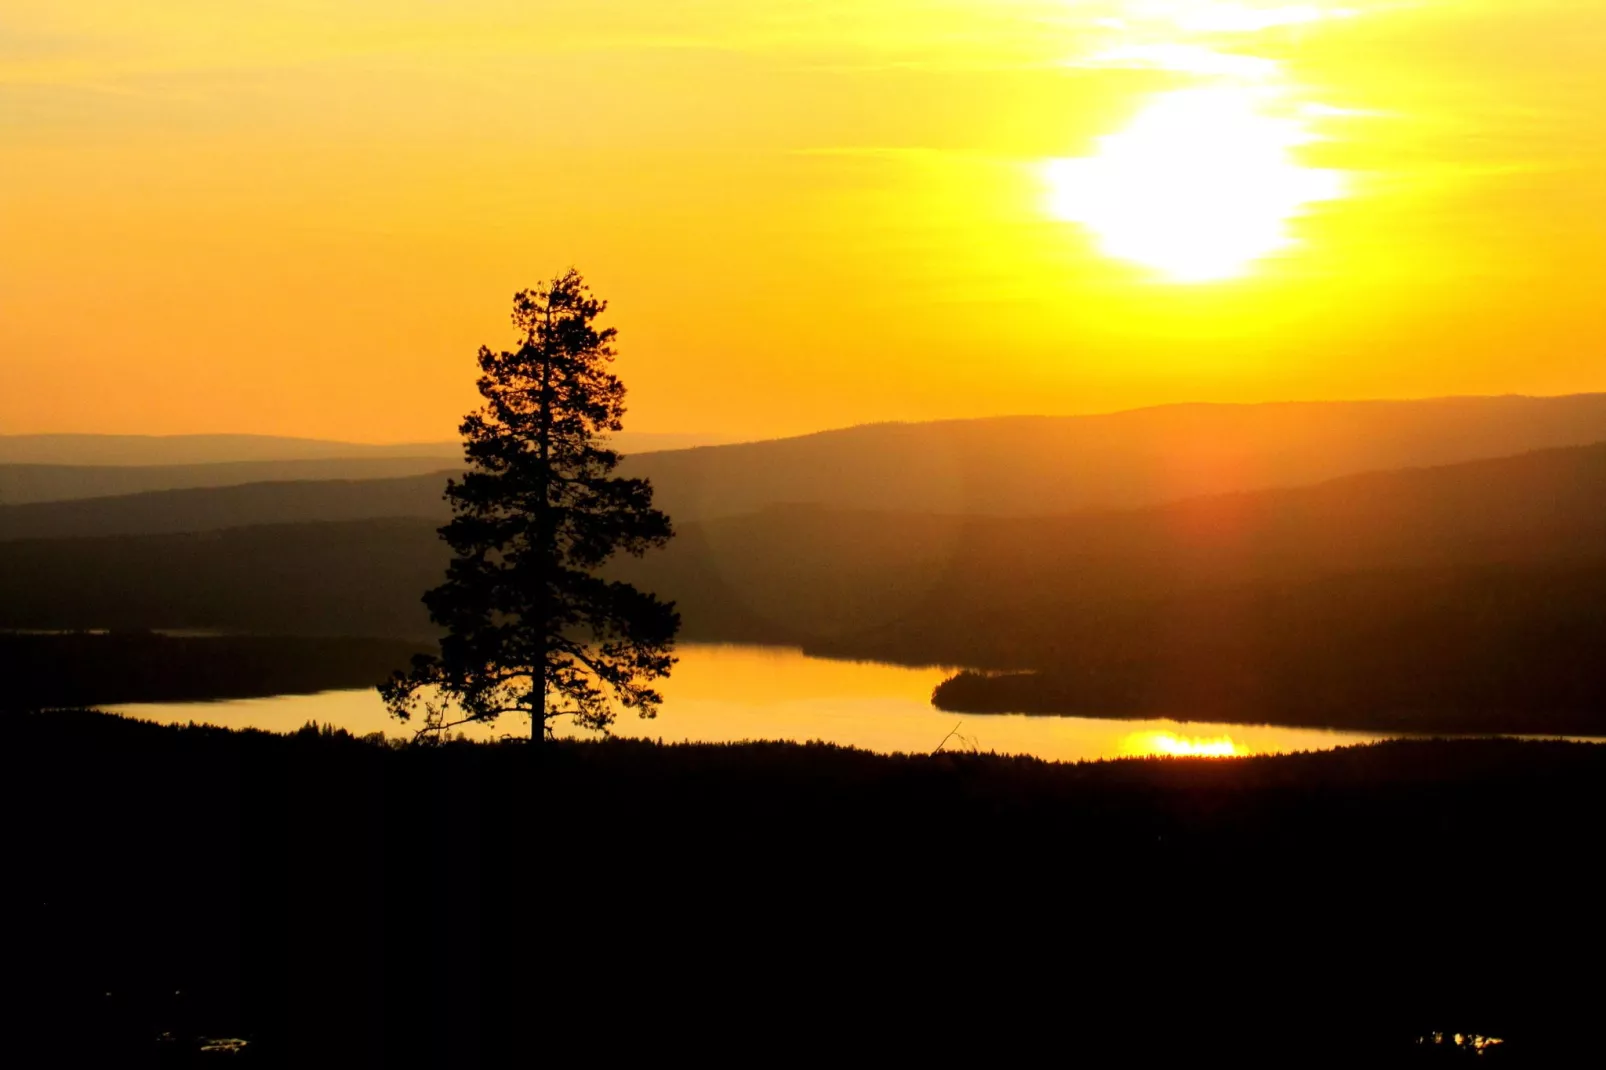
(193, 894)
(330, 899)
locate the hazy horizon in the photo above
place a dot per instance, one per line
(304, 221)
(712, 439)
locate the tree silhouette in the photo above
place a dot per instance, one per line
(531, 627)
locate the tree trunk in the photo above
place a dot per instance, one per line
(538, 683)
(546, 543)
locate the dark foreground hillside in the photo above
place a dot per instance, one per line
(337, 902)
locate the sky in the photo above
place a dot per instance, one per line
(303, 218)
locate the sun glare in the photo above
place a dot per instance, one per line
(1165, 743)
(1200, 185)
(1208, 17)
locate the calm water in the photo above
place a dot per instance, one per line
(730, 693)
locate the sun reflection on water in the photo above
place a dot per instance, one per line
(1144, 744)
(726, 694)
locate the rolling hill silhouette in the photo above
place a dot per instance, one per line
(1456, 598)
(166, 450)
(1012, 466)
(1004, 591)
(1039, 465)
(45, 486)
(52, 468)
(361, 578)
(214, 508)
(817, 573)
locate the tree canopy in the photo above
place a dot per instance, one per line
(531, 625)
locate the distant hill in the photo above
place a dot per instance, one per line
(48, 468)
(1004, 592)
(214, 508)
(1013, 466)
(1463, 597)
(1040, 465)
(28, 484)
(1014, 592)
(148, 450)
(361, 578)
(75, 670)
(1497, 648)
(151, 450)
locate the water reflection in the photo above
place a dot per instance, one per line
(732, 693)
(1145, 743)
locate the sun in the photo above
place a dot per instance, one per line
(1201, 185)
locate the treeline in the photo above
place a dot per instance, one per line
(1494, 649)
(312, 893)
(361, 578)
(54, 671)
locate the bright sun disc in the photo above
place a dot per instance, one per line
(1199, 186)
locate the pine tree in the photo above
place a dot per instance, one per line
(530, 625)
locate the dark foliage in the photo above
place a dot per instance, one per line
(45, 671)
(340, 902)
(531, 627)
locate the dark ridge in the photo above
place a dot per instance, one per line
(354, 578)
(1466, 597)
(1003, 466)
(341, 902)
(54, 671)
(212, 508)
(25, 484)
(1043, 465)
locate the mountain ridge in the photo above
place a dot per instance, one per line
(1043, 465)
(986, 591)
(74, 449)
(1003, 466)
(422, 496)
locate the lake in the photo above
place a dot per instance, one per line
(723, 694)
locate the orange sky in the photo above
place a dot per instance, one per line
(303, 218)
